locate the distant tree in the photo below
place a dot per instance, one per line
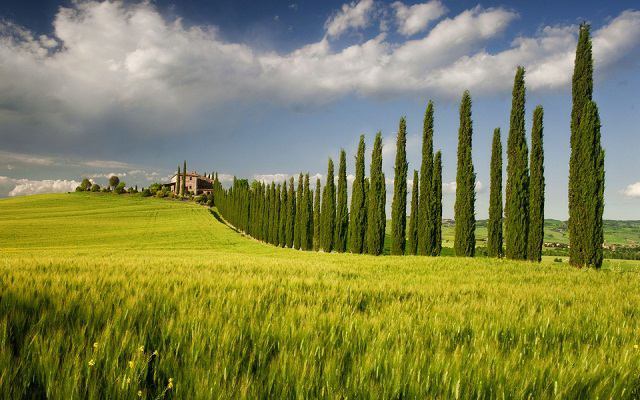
(536, 189)
(367, 186)
(426, 238)
(465, 222)
(342, 210)
(376, 217)
(120, 188)
(95, 187)
(291, 214)
(494, 225)
(358, 215)
(113, 181)
(517, 193)
(86, 184)
(399, 205)
(284, 211)
(316, 216)
(178, 181)
(307, 211)
(412, 234)
(436, 188)
(183, 189)
(298, 225)
(328, 214)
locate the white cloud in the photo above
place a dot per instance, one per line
(106, 164)
(268, 178)
(22, 187)
(416, 18)
(633, 190)
(30, 159)
(356, 15)
(450, 187)
(122, 61)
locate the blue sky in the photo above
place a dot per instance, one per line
(266, 89)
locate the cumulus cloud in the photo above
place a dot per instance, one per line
(355, 15)
(450, 187)
(124, 64)
(22, 187)
(268, 178)
(416, 18)
(633, 190)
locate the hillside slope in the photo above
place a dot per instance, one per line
(119, 297)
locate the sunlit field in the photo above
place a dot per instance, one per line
(105, 296)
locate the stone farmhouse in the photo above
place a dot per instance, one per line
(195, 183)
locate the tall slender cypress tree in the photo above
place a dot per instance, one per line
(436, 185)
(291, 214)
(342, 211)
(276, 225)
(425, 204)
(536, 189)
(178, 181)
(328, 215)
(316, 216)
(308, 234)
(183, 190)
(517, 196)
(582, 93)
(591, 159)
(376, 218)
(399, 205)
(365, 242)
(284, 210)
(297, 237)
(357, 222)
(412, 234)
(494, 226)
(465, 240)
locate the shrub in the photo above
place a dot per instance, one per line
(160, 194)
(120, 188)
(146, 193)
(95, 187)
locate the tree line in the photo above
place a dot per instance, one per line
(318, 218)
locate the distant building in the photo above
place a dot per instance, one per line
(195, 183)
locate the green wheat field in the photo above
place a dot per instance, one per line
(109, 297)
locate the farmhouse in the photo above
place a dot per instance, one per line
(195, 183)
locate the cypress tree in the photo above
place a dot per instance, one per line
(328, 215)
(536, 189)
(425, 226)
(591, 195)
(357, 222)
(284, 210)
(517, 196)
(178, 180)
(494, 226)
(316, 216)
(367, 186)
(183, 190)
(399, 205)
(376, 218)
(273, 209)
(342, 212)
(298, 224)
(276, 225)
(436, 185)
(412, 234)
(307, 233)
(582, 93)
(291, 214)
(464, 244)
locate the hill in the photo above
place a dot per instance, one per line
(105, 296)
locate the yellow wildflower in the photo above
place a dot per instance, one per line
(170, 384)
(92, 363)
(155, 353)
(141, 348)
(131, 364)
(95, 345)
(128, 381)
(139, 393)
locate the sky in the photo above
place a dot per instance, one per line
(264, 90)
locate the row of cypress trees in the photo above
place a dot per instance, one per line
(310, 219)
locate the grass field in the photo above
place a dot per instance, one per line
(105, 296)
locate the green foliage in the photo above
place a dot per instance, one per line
(436, 188)
(494, 225)
(307, 233)
(586, 163)
(399, 205)
(178, 184)
(376, 198)
(536, 189)
(465, 241)
(183, 188)
(232, 318)
(95, 187)
(291, 214)
(298, 214)
(328, 214)
(358, 215)
(426, 220)
(342, 211)
(517, 192)
(316, 215)
(284, 210)
(113, 181)
(120, 189)
(84, 186)
(412, 234)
